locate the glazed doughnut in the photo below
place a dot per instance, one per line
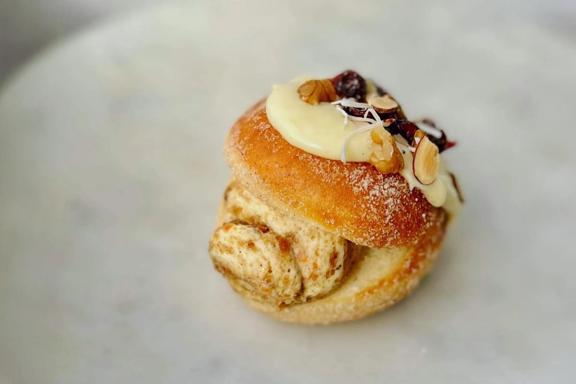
(309, 238)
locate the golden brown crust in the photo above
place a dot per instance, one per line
(353, 200)
(380, 279)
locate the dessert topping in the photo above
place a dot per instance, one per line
(317, 91)
(382, 104)
(349, 118)
(386, 156)
(369, 116)
(436, 135)
(349, 84)
(426, 159)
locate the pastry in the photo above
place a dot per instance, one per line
(338, 204)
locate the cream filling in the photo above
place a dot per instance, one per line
(441, 193)
(317, 129)
(322, 130)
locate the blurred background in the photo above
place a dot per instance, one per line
(27, 26)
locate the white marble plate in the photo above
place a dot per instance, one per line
(111, 170)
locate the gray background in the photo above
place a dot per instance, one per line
(26, 26)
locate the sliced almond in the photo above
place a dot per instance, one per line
(385, 156)
(371, 89)
(384, 103)
(426, 161)
(317, 91)
(400, 140)
(418, 136)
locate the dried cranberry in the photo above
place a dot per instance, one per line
(361, 112)
(350, 84)
(449, 144)
(429, 122)
(441, 142)
(406, 129)
(392, 126)
(396, 115)
(358, 112)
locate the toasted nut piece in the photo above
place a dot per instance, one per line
(383, 103)
(317, 91)
(385, 156)
(378, 135)
(426, 161)
(400, 140)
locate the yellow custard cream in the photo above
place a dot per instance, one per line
(323, 130)
(318, 129)
(441, 193)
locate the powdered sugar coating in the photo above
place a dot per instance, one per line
(354, 200)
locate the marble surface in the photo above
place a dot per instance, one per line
(27, 26)
(111, 170)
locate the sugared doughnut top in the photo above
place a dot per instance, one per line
(351, 119)
(353, 199)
